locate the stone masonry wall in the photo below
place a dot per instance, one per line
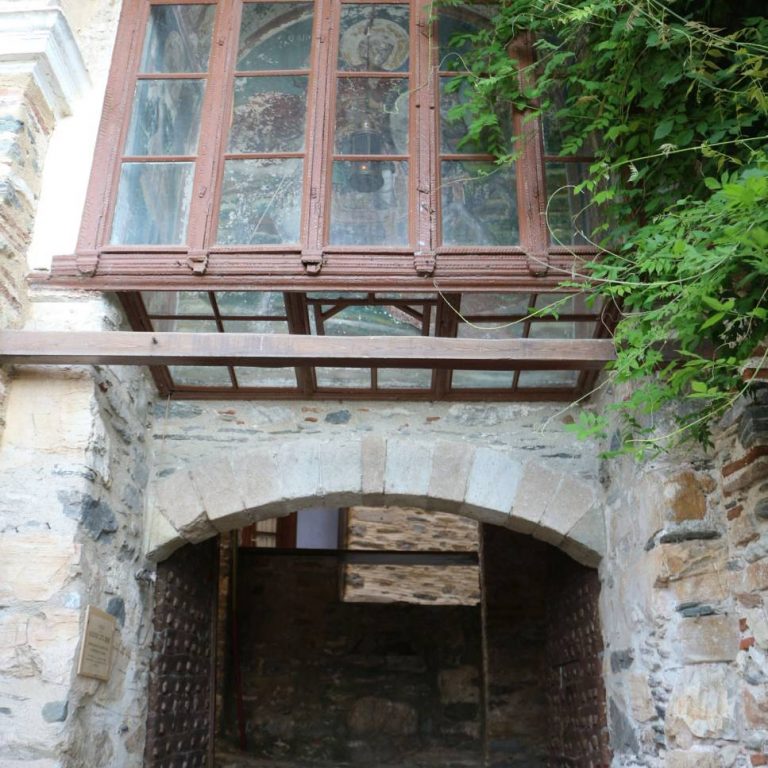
(366, 683)
(683, 602)
(407, 528)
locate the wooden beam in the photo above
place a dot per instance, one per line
(373, 556)
(275, 350)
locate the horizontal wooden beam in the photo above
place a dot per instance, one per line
(277, 350)
(374, 556)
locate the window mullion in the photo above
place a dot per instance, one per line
(531, 190)
(214, 126)
(318, 147)
(425, 147)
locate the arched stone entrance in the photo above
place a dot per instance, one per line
(194, 503)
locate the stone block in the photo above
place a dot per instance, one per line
(376, 716)
(703, 701)
(374, 457)
(537, 486)
(258, 476)
(459, 686)
(755, 702)
(640, 698)
(161, 539)
(451, 465)
(298, 466)
(573, 500)
(492, 485)
(218, 488)
(698, 758)
(585, 542)
(753, 427)
(53, 637)
(687, 499)
(708, 639)
(408, 471)
(756, 576)
(35, 566)
(341, 473)
(708, 588)
(177, 499)
(690, 558)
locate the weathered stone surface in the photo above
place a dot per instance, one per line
(687, 499)
(55, 711)
(341, 473)
(459, 686)
(757, 576)
(373, 715)
(708, 639)
(257, 475)
(640, 698)
(451, 465)
(623, 736)
(537, 486)
(572, 501)
(694, 558)
(35, 567)
(408, 471)
(704, 702)
(492, 483)
(693, 759)
(374, 452)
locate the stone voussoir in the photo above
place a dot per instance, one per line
(407, 472)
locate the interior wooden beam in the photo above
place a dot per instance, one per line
(373, 556)
(275, 350)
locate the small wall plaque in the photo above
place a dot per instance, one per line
(95, 659)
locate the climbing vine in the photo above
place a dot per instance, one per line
(670, 100)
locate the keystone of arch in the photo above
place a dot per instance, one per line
(486, 484)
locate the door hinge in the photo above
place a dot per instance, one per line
(312, 261)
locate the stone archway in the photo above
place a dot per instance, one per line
(198, 501)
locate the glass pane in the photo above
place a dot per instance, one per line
(495, 303)
(569, 216)
(372, 321)
(275, 36)
(499, 330)
(479, 203)
(374, 38)
(343, 377)
(460, 20)
(177, 303)
(529, 379)
(269, 114)
(260, 202)
(404, 378)
(255, 326)
(552, 330)
(372, 116)
(454, 92)
(200, 375)
(481, 379)
(370, 203)
(178, 38)
(265, 377)
(165, 118)
(250, 303)
(184, 325)
(152, 204)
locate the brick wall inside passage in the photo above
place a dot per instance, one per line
(545, 699)
(575, 691)
(366, 683)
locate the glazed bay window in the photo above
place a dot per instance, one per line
(283, 145)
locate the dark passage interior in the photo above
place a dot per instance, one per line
(312, 679)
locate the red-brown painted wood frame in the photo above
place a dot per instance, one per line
(533, 265)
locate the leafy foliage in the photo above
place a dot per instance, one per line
(670, 100)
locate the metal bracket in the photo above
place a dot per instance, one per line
(538, 264)
(198, 262)
(313, 262)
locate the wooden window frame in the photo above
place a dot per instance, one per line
(534, 264)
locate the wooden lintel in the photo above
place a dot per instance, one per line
(374, 556)
(276, 350)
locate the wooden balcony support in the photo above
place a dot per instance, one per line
(276, 350)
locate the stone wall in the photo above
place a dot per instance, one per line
(410, 529)
(683, 602)
(366, 683)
